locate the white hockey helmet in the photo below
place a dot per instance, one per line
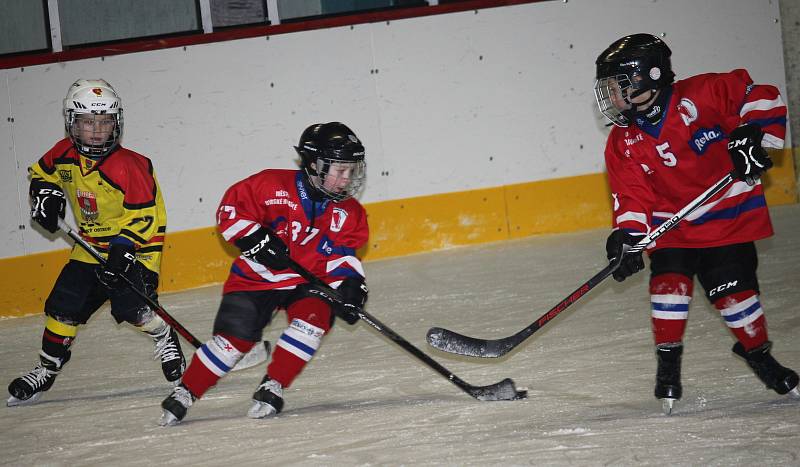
(86, 99)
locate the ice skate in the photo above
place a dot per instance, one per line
(775, 376)
(29, 388)
(168, 350)
(267, 400)
(668, 376)
(176, 405)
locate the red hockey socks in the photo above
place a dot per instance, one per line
(212, 361)
(743, 314)
(309, 319)
(670, 295)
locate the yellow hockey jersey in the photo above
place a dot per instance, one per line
(117, 196)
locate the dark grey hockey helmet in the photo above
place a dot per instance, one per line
(333, 159)
(627, 69)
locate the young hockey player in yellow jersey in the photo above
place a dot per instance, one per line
(117, 203)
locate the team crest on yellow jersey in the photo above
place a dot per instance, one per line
(88, 204)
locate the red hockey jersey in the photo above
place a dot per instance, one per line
(322, 236)
(654, 171)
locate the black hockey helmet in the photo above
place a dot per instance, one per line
(640, 62)
(326, 145)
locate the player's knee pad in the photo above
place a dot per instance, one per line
(670, 295)
(221, 353)
(301, 339)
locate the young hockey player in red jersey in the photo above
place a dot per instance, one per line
(117, 203)
(310, 216)
(671, 141)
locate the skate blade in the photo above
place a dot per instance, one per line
(261, 410)
(667, 405)
(14, 402)
(795, 393)
(168, 419)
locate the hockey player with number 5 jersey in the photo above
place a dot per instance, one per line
(671, 141)
(310, 216)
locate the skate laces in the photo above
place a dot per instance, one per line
(166, 350)
(182, 396)
(38, 376)
(272, 386)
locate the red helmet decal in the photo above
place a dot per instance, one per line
(98, 92)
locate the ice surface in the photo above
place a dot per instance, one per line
(365, 401)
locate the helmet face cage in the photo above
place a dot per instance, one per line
(93, 134)
(612, 94)
(93, 117)
(338, 179)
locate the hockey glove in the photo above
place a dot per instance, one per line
(617, 244)
(121, 259)
(354, 294)
(750, 160)
(47, 204)
(265, 247)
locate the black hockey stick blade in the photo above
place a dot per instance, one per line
(503, 391)
(453, 342)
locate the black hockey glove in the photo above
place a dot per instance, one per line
(750, 160)
(265, 247)
(121, 259)
(47, 204)
(354, 293)
(616, 246)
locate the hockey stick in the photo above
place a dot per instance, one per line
(258, 354)
(502, 391)
(453, 342)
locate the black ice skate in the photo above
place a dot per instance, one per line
(668, 376)
(29, 388)
(267, 400)
(176, 405)
(777, 377)
(168, 350)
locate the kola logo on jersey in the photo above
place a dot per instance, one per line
(703, 137)
(338, 216)
(65, 175)
(88, 204)
(687, 111)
